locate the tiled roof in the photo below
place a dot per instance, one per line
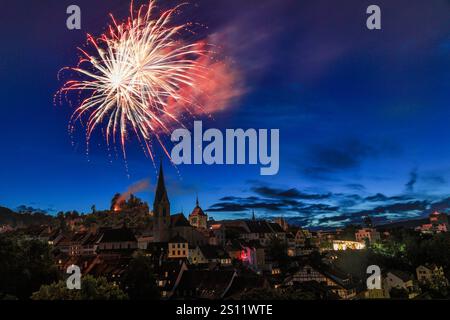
(118, 235)
(258, 226)
(207, 284)
(214, 252)
(179, 220)
(178, 239)
(402, 275)
(197, 212)
(276, 227)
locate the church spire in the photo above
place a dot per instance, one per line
(253, 215)
(161, 192)
(196, 201)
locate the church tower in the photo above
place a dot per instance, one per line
(198, 218)
(161, 211)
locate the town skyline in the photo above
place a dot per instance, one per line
(252, 210)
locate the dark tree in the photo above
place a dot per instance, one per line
(138, 280)
(91, 289)
(278, 252)
(25, 265)
(396, 293)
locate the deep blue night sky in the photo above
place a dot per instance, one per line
(363, 115)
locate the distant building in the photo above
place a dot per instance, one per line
(262, 231)
(339, 245)
(438, 218)
(401, 280)
(178, 247)
(300, 237)
(282, 223)
(168, 275)
(438, 223)
(117, 239)
(161, 211)
(375, 294)
(6, 228)
(209, 254)
(217, 236)
(144, 239)
(198, 218)
(370, 234)
(335, 280)
(431, 274)
(166, 226)
(204, 284)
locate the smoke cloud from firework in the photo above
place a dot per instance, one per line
(142, 78)
(137, 187)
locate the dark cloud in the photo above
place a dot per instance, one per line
(324, 161)
(348, 154)
(320, 207)
(401, 207)
(355, 186)
(433, 179)
(245, 206)
(288, 193)
(233, 198)
(316, 210)
(326, 220)
(379, 197)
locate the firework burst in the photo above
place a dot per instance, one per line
(133, 72)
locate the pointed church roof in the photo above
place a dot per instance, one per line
(161, 192)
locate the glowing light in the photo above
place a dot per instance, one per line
(137, 72)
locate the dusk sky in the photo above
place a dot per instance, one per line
(363, 115)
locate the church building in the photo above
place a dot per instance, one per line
(198, 218)
(167, 226)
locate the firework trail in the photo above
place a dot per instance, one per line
(137, 68)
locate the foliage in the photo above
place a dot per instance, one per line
(408, 250)
(277, 250)
(436, 290)
(24, 266)
(397, 293)
(91, 289)
(138, 280)
(348, 233)
(24, 218)
(133, 212)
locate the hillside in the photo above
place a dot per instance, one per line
(14, 219)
